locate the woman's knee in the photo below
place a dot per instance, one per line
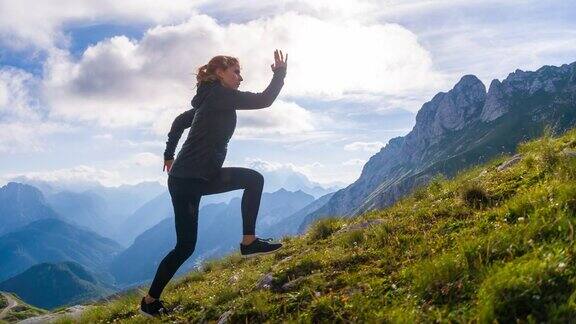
(184, 250)
(257, 179)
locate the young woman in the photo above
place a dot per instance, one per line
(198, 169)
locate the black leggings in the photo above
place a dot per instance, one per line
(186, 194)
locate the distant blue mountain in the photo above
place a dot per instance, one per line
(85, 209)
(118, 202)
(50, 285)
(53, 240)
(20, 205)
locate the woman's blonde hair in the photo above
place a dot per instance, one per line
(207, 72)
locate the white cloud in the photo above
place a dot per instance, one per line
(70, 177)
(121, 82)
(143, 166)
(105, 136)
(370, 147)
(23, 127)
(269, 166)
(354, 162)
(144, 159)
(17, 97)
(241, 10)
(20, 137)
(40, 23)
(282, 118)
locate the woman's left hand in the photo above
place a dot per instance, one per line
(279, 61)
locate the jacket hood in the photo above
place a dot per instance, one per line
(203, 91)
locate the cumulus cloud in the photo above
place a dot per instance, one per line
(282, 119)
(123, 82)
(241, 11)
(370, 147)
(17, 98)
(20, 137)
(144, 159)
(75, 176)
(272, 166)
(39, 23)
(130, 170)
(23, 127)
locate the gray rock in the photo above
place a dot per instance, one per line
(234, 279)
(225, 317)
(515, 159)
(496, 102)
(569, 153)
(292, 284)
(265, 282)
(362, 225)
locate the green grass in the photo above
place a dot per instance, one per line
(485, 246)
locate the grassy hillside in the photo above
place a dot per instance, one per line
(488, 245)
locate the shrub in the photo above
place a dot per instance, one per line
(323, 228)
(474, 196)
(420, 193)
(378, 236)
(352, 238)
(436, 184)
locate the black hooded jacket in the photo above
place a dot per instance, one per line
(212, 121)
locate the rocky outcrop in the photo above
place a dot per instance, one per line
(460, 128)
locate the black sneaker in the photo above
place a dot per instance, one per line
(259, 247)
(153, 309)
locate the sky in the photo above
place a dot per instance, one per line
(89, 89)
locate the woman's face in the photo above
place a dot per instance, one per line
(230, 77)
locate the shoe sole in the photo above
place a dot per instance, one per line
(146, 314)
(246, 256)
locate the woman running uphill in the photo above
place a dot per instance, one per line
(198, 168)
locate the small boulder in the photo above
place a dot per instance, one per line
(292, 284)
(265, 282)
(515, 159)
(234, 279)
(362, 225)
(225, 317)
(569, 153)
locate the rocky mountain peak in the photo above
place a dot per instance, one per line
(546, 80)
(450, 111)
(20, 193)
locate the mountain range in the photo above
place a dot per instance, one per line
(460, 128)
(50, 285)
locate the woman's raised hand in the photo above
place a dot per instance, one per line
(279, 61)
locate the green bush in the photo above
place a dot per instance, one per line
(379, 236)
(436, 184)
(323, 228)
(474, 196)
(351, 238)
